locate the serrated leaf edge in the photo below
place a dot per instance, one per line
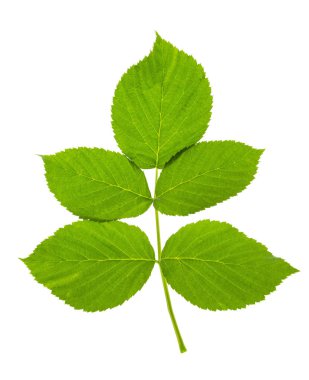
(136, 64)
(24, 260)
(43, 156)
(262, 298)
(232, 196)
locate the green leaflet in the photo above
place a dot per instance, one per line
(93, 266)
(204, 175)
(97, 184)
(216, 267)
(161, 105)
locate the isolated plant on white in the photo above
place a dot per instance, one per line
(161, 109)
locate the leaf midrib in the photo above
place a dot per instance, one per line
(199, 175)
(91, 260)
(105, 183)
(161, 103)
(203, 260)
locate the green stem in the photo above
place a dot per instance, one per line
(181, 344)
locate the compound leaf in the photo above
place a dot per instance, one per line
(216, 267)
(97, 184)
(161, 105)
(204, 175)
(93, 266)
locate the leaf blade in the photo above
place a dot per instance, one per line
(93, 266)
(97, 184)
(154, 104)
(204, 175)
(216, 267)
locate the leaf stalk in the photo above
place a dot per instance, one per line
(180, 341)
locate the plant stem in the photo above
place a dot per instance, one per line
(181, 344)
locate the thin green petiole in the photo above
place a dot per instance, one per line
(181, 344)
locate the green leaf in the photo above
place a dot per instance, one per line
(161, 109)
(97, 184)
(161, 105)
(216, 267)
(204, 175)
(93, 266)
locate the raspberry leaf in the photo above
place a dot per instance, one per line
(161, 109)
(161, 105)
(97, 184)
(216, 267)
(93, 266)
(204, 175)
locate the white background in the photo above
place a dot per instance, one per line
(60, 62)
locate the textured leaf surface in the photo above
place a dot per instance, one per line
(161, 105)
(97, 184)
(93, 266)
(204, 175)
(216, 267)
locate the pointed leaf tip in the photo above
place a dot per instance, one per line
(158, 35)
(40, 155)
